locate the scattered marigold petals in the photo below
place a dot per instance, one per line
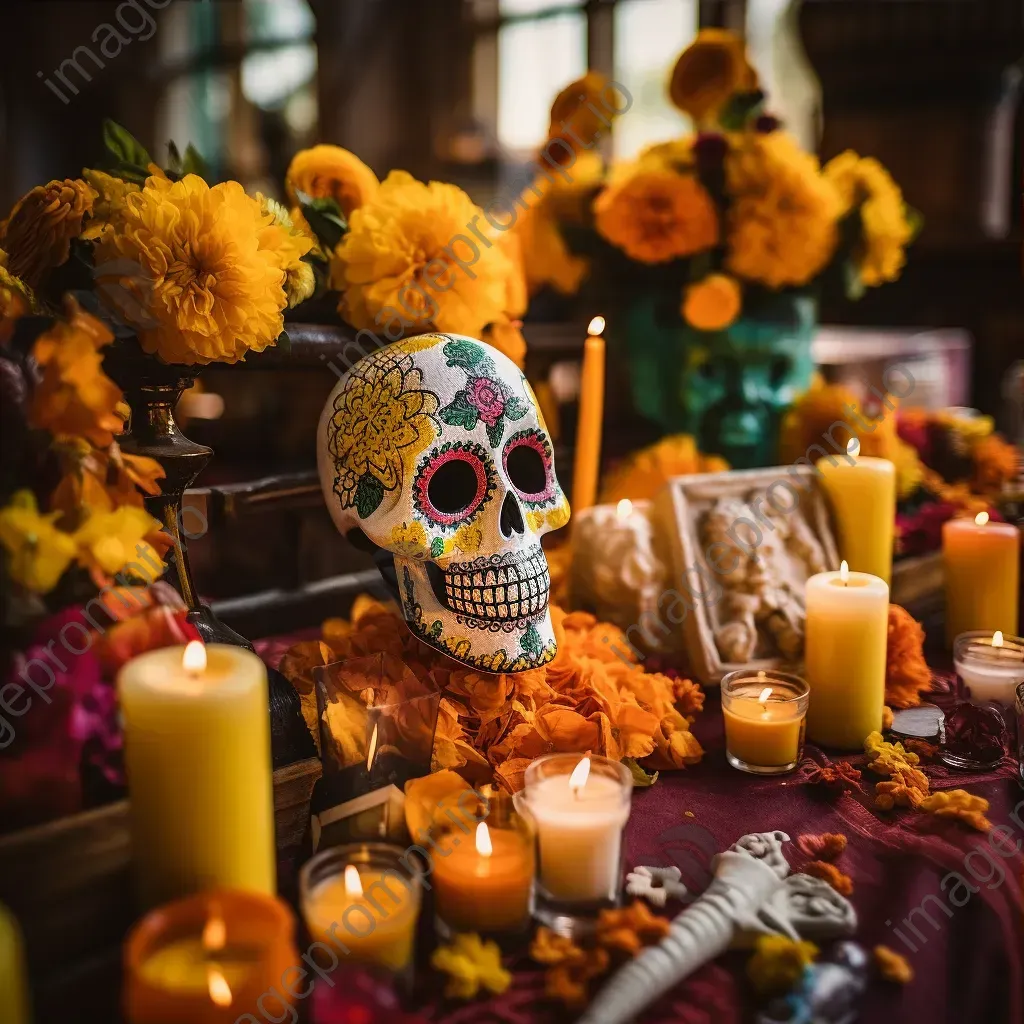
(886, 718)
(827, 846)
(630, 928)
(843, 884)
(836, 778)
(778, 963)
(922, 748)
(892, 966)
(471, 964)
(549, 947)
(959, 804)
(569, 982)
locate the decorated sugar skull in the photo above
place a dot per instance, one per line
(434, 451)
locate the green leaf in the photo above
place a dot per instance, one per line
(195, 163)
(436, 628)
(369, 495)
(742, 106)
(324, 216)
(640, 778)
(173, 158)
(494, 432)
(123, 147)
(437, 547)
(516, 409)
(459, 413)
(463, 353)
(852, 281)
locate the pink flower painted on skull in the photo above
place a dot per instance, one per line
(487, 398)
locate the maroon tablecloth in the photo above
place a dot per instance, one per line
(969, 967)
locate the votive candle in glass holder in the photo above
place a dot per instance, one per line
(765, 716)
(483, 879)
(578, 804)
(1020, 732)
(991, 666)
(363, 899)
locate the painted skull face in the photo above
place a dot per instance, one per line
(434, 449)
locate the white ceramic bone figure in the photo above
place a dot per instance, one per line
(434, 450)
(752, 893)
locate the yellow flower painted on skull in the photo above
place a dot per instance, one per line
(558, 517)
(382, 420)
(468, 538)
(409, 539)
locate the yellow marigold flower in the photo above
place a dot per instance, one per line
(909, 468)
(713, 303)
(289, 244)
(207, 288)
(646, 471)
(112, 541)
(16, 298)
(410, 540)
(111, 194)
(778, 963)
(708, 72)
(676, 154)
(75, 398)
(782, 223)
(39, 552)
(581, 113)
(330, 171)
(863, 182)
(657, 215)
(409, 259)
(507, 337)
(37, 234)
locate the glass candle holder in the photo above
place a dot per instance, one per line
(765, 715)
(208, 958)
(578, 805)
(483, 868)
(1020, 732)
(991, 666)
(363, 900)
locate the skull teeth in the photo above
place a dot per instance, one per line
(517, 590)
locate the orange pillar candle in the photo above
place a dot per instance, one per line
(588, 424)
(982, 567)
(363, 900)
(484, 885)
(209, 958)
(764, 720)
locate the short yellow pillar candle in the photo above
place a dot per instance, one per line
(982, 567)
(764, 714)
(845, 645)
(197, 753)
(363, 900)
(13, 986)
(862, 493)
(484, 885)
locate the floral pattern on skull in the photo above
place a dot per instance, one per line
(435, 450)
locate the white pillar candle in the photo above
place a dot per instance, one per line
(579, 805)
(991, 667)
(844, 648)
(197, 753)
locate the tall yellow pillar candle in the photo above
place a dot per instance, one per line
(982, 567)
(588, 424)
(844, 647)
(197, 752)
(862, 493)
(13, 987)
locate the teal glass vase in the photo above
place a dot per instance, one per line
(728, 388)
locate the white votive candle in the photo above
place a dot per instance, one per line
(579, 805)
(991, 665)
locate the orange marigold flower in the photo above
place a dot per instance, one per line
(836, 778)
(996, 462)
(842, 884)
(708, 72)
(656, 215)
(827, 846)
(16, 299)
(325, 171)
(75, 398)
(37, 235)
(713, 303)
(645, 472)
(628, 929)
(581, 112)
(906, 670)
(958, 804)
(892, 966)
(569, 982)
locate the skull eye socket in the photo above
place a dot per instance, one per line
(452, 484)
(527, 460)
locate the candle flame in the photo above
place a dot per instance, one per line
(844, 572)
(220, 990)
(624, 509)
(215, 934)
(193, 659)
(997, 638)
(853, 447)
(765, 694)
(579, 776)
(353, 883)
(373, 748)
(761, 674)
(981, 518)
(483, 840)
(596, 326)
